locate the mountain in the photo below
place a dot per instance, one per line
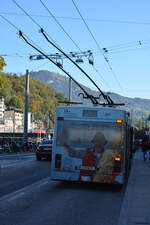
(138, 106)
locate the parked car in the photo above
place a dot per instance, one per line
(6, 147)
(44, 149)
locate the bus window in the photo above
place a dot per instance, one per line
(81, 133)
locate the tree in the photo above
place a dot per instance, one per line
(16, 102)
(2, 63)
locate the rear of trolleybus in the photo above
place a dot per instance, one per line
(89, 145)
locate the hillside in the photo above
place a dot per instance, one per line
(42, 98)
(138, 106)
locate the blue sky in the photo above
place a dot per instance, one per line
(120, 26)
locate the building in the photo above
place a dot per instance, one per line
(2, 106)
(8, 124)
(30, 122)
(17, 116)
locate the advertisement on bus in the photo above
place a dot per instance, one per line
(93, 151)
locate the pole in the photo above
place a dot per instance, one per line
(26, 108)
(70, 89)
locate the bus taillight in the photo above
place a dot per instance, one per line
(117, 166)
(57, 161)
(38, 149)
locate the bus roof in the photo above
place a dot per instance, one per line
(92, 112)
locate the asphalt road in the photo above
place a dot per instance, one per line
(20, 170)
(29, 197)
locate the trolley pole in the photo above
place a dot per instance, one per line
(26, 108)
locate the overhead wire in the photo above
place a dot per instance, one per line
(93, 99)
(87, 19)
(127, 50)
(110, 48)
(56, 20)
(55, 45)
(16, 28)
(33, 20)
(107, 98)
(127, 45)
(97, 44)
(60, 24)
(8, 21)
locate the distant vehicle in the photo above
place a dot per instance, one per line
(1, 149)
(140, 141)
(6, 147)
(44, 149)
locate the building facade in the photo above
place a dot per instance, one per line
(17, 117)
(2, 107)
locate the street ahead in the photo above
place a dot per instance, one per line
(28, 196)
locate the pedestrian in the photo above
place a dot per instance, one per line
(147, 155)
(144, 146)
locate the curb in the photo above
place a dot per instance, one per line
(124, 212)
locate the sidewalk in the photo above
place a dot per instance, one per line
(136, 204)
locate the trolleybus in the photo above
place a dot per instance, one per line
(91, 144)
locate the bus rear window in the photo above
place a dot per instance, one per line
(82, 133)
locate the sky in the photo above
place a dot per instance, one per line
(121, 27)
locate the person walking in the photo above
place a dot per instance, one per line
(144, 146)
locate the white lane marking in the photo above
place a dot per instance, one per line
(11, 164)
(19, 154)
(21, 192)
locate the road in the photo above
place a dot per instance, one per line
(28, 196)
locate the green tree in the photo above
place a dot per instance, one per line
(16, 102)
(2, 63)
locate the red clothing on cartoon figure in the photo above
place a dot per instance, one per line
(89, 163)
(90, 157)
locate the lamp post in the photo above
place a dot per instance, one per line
(26, 108)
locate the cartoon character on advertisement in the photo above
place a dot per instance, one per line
(90, 156)
(106, 164)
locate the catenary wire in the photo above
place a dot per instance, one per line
(128, 45)
(123, 45)
(56, 20)
(51, 37)
(56, 46)
(59, 24)
(87, 19)
(8, 21)
(16, 28)
(94, 101)
(109, 100)
(90, 19)
(110, 67)
(34, 21)
(92, 98)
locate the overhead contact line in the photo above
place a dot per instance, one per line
(105, 58)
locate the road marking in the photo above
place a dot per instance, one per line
(21, 192)
(18, 154)
(18, 163)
